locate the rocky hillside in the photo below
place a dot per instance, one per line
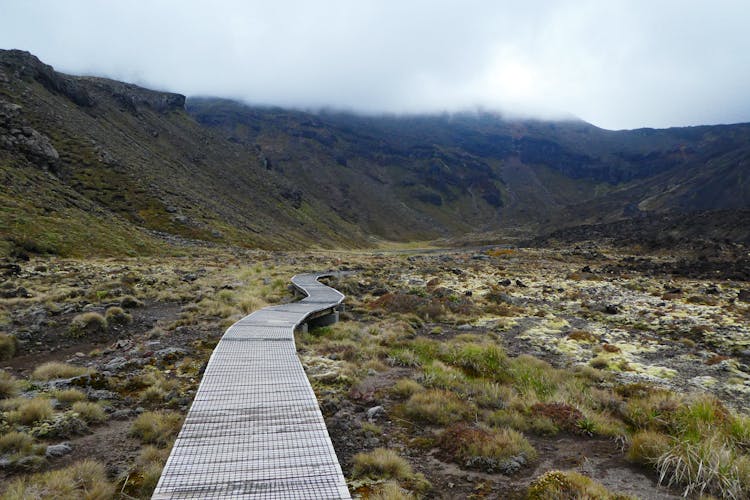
(95, 166)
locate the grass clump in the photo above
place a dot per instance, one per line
(436, 407)
(384, 464)
(84, 480)
(9, 385)
(89, 323)
(67, 397)
(481, 360)
(142, 480)
(117, 316)
(16, 443)
(156, 427)
(31, 411)
(8, 346)
(405, 388)
(560, 485)
(390, 490)
(55, 369)
(488, 449)
(693, 442)
(381, 463)
(647, 446)
(534, 377)
(89, 412)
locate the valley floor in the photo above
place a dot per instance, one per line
(456, 373)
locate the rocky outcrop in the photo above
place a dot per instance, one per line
(23, 65)
(131, 97)
(16, 135)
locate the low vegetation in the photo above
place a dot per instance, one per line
(86, 479)
(478, 376)
(157, 427)
(54, 369)
(557, 485)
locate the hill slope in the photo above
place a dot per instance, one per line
(91, 165)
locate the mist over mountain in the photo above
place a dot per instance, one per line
(91, 165)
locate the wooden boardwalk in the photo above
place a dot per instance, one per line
(255, 429)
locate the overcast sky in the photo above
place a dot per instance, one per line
(615, 63)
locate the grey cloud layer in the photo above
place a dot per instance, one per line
(616, 63)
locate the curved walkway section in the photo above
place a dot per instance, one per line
(255, 429)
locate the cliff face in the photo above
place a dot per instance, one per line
(85, 158)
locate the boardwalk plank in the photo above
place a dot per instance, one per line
(255, 430)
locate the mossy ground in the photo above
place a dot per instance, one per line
(481, 361)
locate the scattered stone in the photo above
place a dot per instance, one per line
(58, 450)
(612, 309)
(520, 284)
(116, 364)
(374, 413)
(100, 394)
(122, 414)
(9, 269)
(170, 353)
(505, 282)
(13, 293)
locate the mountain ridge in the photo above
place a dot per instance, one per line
(130, 161)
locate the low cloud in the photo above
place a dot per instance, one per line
(617, 64)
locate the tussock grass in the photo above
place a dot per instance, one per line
(558, 485)
(533, 377)
(142, 480)
(488, 449)
(157, 388)
(437, 407)
(87, 324)
(481, 360)
(16, 443)
(403, 357)
(54, 369)
(156, 427)
(85, 480)
(381, 463)
(693, 442)
(31, 411)
(9, 385)
(390, 490)
(709, 466)
(8, 346)
(647, 446)
(405, 388)
(117, 316)
(440, 376)
(69, 396)
(89, 412)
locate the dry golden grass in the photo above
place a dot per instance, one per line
(31, 411)
(156, 427)
(54, 369)
(85, 480)
(381, 463)
(9, 385)
(89, 412)
(8, 346)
